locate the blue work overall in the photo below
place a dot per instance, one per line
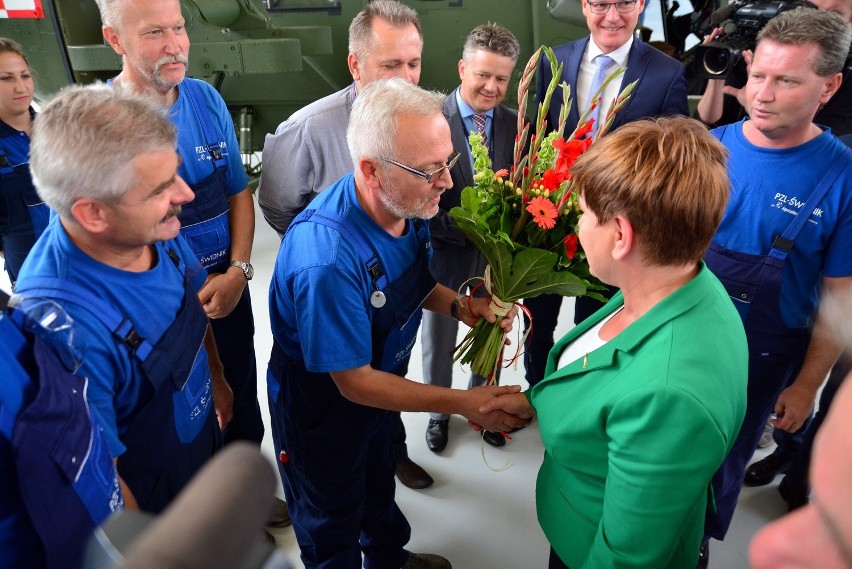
(65, 474)
(24, 214)
(337, 463)
(174, 430)
(205, 225)
(776, 352)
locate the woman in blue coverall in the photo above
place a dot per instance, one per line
(23, 215)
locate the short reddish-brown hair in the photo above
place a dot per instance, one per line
(667, 176)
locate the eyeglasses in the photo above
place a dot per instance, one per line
(622, 7)
(428, 176)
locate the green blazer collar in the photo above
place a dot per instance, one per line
(663, 312)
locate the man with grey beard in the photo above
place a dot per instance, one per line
(151, 38)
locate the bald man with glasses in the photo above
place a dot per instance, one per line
(611, 44)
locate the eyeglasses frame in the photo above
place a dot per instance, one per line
(611, 4)
(428, 176)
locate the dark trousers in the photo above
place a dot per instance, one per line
(338, 473)
(768, 375)
(797, 476)
(400, 449)
(235, 342)
(545, 311)
(555, 562)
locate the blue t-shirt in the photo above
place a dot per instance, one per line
(319, 299)
(768, 188)
(151, 299)
(192, 145)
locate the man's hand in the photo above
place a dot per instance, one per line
(793, 407)
(740, 94)
(223, 400)
(223, 397)
(221, 292)
(474, 308)
(512, 403)
(711, 104)
(494, 418)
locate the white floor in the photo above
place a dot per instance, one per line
(477, 514)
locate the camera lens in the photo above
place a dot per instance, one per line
(716, 61)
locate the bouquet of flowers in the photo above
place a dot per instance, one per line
(525, 220)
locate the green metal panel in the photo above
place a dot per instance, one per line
(269, 63)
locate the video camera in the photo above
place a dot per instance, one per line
(741, 21)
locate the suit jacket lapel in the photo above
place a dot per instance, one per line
(637, 64)
(457, 135)
(504, 148)
(570, 72)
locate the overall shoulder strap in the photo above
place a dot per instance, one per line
(365, 252)
(120, 326)
(782, 244)
(211, 137)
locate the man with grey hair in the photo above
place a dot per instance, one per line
(151, 38)
(488, 60)
(787, 231)
(114, 260)
(350, 283)
(308, 151)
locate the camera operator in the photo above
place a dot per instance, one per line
(723, 101)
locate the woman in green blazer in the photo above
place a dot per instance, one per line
(641, 402)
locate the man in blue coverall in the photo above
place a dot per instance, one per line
(115, 262)
(787, 232)
(150, 36)
(346, 299)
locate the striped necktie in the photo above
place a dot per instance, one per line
(479, 122)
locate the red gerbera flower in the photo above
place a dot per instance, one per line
(543, 212)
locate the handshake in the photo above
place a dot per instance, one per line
(498, 408)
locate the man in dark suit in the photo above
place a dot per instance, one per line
(489, 57)
(661, 91)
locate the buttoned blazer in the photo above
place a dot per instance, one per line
(505, 127)
(661, 89)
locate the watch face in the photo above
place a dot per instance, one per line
(249, 271)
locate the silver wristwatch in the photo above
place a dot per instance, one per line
(246, 267)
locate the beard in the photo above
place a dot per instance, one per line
(152, 75)
(392, 198)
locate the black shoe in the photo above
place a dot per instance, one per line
(795, 497)
(412, 475)
(703, 556)
(764, 471)
(280, 516)
(426, 561)
(436, 434)
(494, 439)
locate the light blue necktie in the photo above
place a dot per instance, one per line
(604, 63)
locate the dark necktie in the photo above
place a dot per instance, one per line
(479, 122)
